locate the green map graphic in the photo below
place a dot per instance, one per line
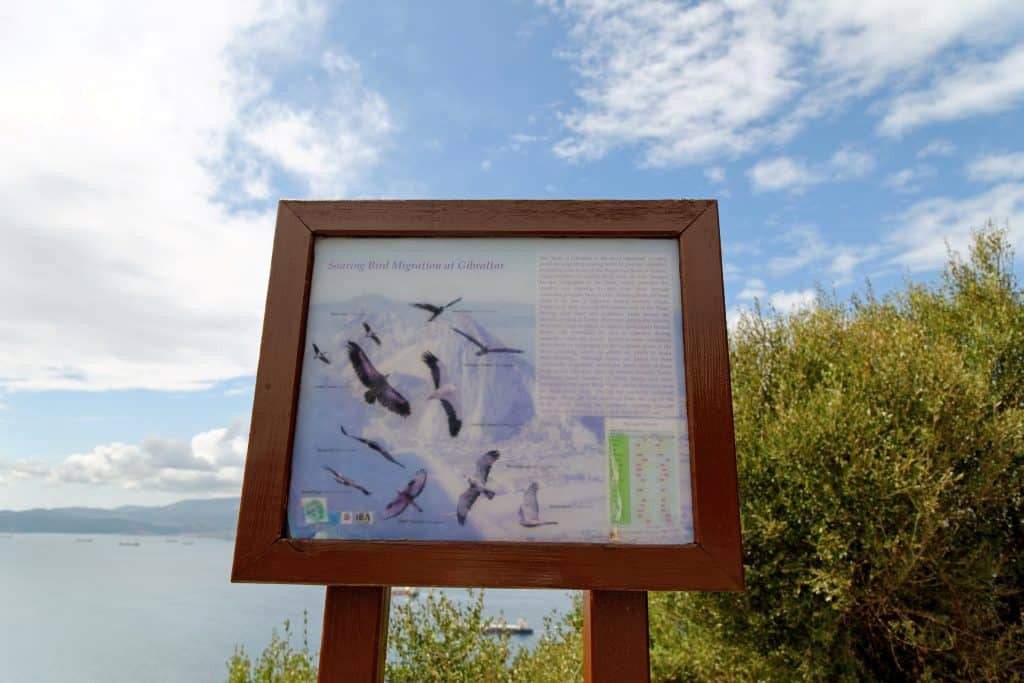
(618, 478)
(643, 479)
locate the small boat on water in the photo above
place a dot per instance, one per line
(519, 628)
(132, 543)
(404, 591)
(83, 540)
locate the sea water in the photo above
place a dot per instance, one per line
(162, 610)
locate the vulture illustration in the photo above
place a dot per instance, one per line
(345, 481)
(529, 511)
(443, 392)
(320, 355)
(484, 349)
(370, 333)
(377, 387)
(476, 485)
(436, 310)
(407, 496)
(372, 444)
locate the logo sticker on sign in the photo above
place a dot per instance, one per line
(349, 517)
(314, 510)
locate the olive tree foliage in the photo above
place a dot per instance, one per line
(880, 448)
(280, 662)
(435, 638)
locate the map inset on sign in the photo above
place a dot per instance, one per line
(492, 390)
(643, 477)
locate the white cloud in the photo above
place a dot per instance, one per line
(329, 147)
(20, 470)
(997, 167)
(848, 162)
(919, 238)
(733, 316)
(795, 175)
(753, 289)
(485, 165)
(339, 62)
(687, 83)
(781, 301)
(256, 184)
(520, 142)
(783, 173)
(845, 258)
(802, 245)
(130, 133)
(715, 174)
(802, 248)
(909, 179)
(923, 231)
(790, 302)
(937, 148)
(690, 82)
(752, 248)
(210, 462)
(977, 88)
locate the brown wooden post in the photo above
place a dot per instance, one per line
(615, 637)
(354, 643)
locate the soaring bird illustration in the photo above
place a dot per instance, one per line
(443, 391)
(407, 496)
(377, 387)
(436, 310)
(476, 485)
(484, 349)
(372, 444)
(529, 511)
(345, 481)
(320, 355)
(370, 333)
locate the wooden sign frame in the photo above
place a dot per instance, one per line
(263, 551)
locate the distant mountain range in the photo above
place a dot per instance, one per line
(204, 517)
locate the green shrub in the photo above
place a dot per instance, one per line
(880, 448)
(435, 638)
(278, 663)
(558, 654)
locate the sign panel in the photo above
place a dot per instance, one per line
(469, 389)
(496, 394)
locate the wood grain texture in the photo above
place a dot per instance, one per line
(504, 218)
(261, 516)
(263, 554)
(709, 396)
(615, 637)
(353, 647)
(489, 565)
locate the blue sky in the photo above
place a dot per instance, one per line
(145, 149)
